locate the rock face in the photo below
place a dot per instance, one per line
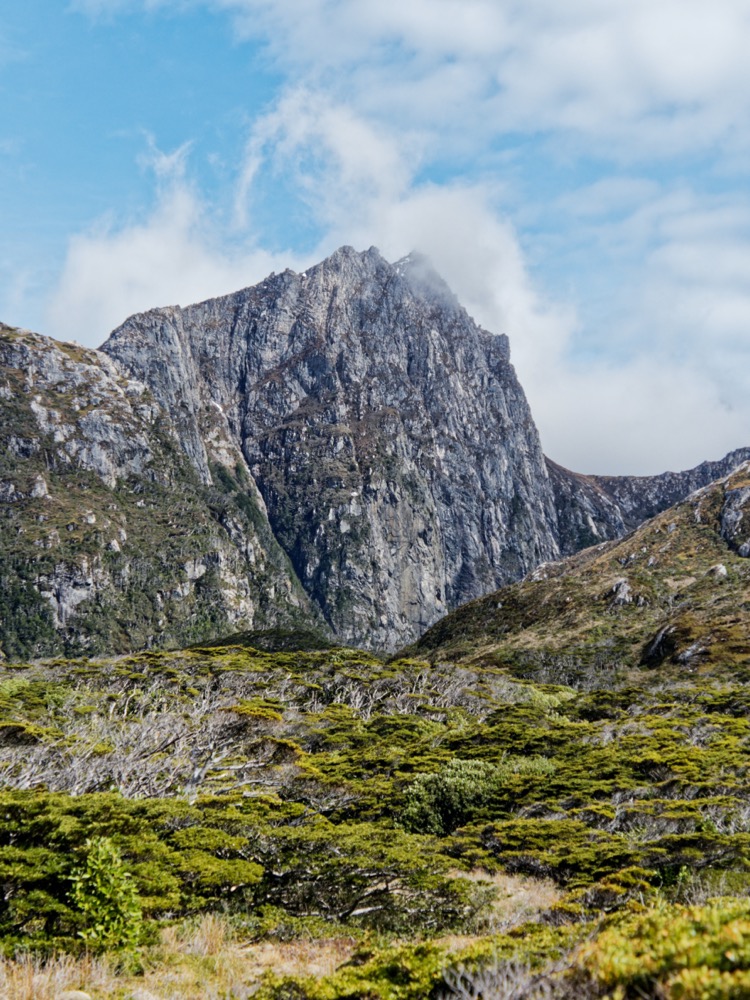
(343, 449)
(586, 513)
(674, 591)
(593, 509)
(108, 539)
(388, 434)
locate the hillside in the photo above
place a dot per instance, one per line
(547, 799)
(325, 825)
(676, 591)
(343, 449)
(109, 541)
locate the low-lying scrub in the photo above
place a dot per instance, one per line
(302, 799)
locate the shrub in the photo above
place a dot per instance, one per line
(440, 803)
(105, 896)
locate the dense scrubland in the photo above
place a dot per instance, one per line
(546, 797)
(317, 824)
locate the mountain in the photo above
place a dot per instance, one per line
(591, 509)
(343, 449)
(109, 540)
(675, 591)
(387, 433)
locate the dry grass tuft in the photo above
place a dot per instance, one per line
(200, 959)
(302, 958)
(208, 936)
(28, 978)
(518, 899)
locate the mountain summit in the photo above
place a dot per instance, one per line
(387, 433)
(344, 448)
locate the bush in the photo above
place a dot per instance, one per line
(105, 896)
(456, 794)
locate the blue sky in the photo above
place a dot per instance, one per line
(578, 173)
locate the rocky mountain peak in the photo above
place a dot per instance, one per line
(343, 447)
(386, 431)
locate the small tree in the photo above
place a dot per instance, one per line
(104, 893)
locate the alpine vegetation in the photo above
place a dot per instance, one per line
(319, 682)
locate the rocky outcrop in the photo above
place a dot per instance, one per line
(735, 514)
(108, 540)
(387, 432)
(593, 509)
(672, 592)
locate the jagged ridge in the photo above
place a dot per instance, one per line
(675, 590)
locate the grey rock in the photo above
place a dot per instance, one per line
(388, 434)
(592, 509)
(622, 592)
(735, 519)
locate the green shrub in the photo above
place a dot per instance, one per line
(106, 898)
(690, 953)
(456, 794)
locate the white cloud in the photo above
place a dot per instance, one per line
(174, 257)
(652, 76)
(678, 319)
(377, 90)
(649, 77)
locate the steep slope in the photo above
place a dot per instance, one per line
(676, 590)
(642, 497)
(388, 434)
(108, 539)
(593, 509)
(586, 513)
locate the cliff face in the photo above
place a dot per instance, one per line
(108, 539)
(673, 591)
(593, 509)
(388, 434)
(642, 497)
(343, 448)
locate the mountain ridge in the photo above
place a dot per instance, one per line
(675, 591)
(356, 454)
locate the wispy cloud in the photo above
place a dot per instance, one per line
(640, 361)
(650, 78)
(175, 256)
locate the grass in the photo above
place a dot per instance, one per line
(211, 958)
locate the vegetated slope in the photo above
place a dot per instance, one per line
(591, 509)
(568, 840)
(108, 539)
(388, 433)
(677, 589)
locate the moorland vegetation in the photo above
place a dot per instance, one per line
(547, 797)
